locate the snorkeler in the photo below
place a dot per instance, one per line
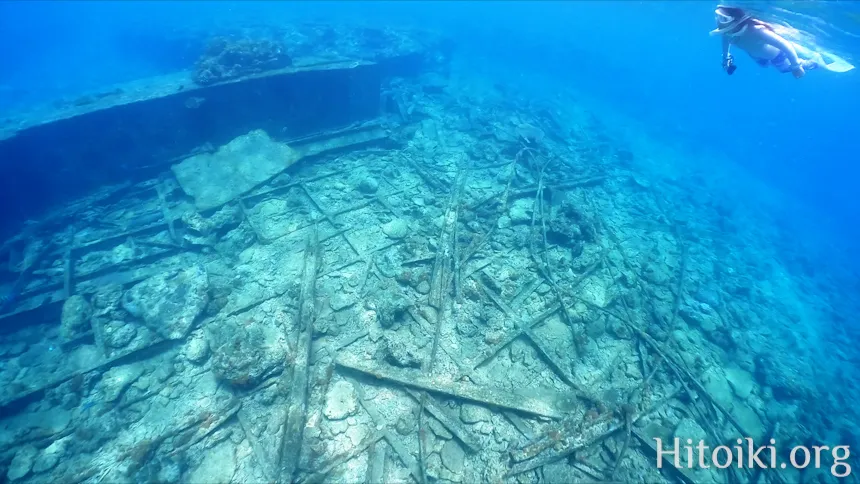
(766, 47)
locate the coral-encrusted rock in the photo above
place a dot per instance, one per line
(396, 229)
(226, 59)
(76, 318)
(116, 380)
(521, 212)
(170, 303)
(245, 349)
(341, 401)
(22, 463)
(368, 185)
(453, 456)
(225, 218)
(197, 349)
(118, 334)
(193, 221)
(402, 352)
(473, 414)
(391, 307)
(50, 457)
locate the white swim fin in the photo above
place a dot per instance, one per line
(825, 60)
(835, 63)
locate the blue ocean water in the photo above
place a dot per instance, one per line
(765, 144)
(651, 59)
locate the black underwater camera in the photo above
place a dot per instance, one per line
(729, 65)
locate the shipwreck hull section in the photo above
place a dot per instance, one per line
(60, 157)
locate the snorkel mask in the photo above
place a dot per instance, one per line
(730, 21)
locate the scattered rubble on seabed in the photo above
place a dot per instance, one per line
(514, 293)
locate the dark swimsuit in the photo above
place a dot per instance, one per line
(777, 61)
(782, 63)
(780, 59)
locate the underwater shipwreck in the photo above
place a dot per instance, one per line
(326, 261)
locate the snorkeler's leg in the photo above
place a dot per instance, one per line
(810, 64)
(807, 65)
(809, 58)
(821, 60)
(804, 52)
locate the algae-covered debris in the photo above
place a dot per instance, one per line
(22, 463)
(76, 318)
(213, 179)
(341, 401)
(226, 59)
(245, 349)
(170, 303)
(396, 229)
(116, 380)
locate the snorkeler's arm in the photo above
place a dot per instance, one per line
(783, 45)
(726, 45)
(727, 57)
